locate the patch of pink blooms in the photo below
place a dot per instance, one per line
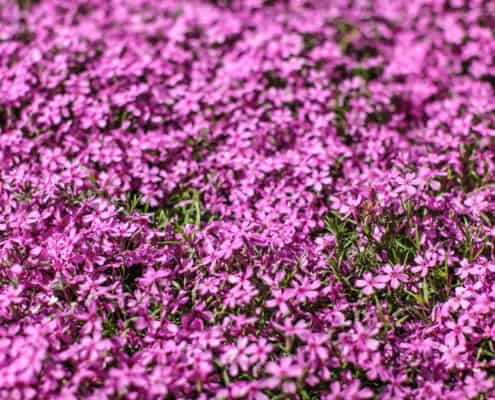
(278, 114)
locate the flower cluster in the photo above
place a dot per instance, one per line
(256, 199)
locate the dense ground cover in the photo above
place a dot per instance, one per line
(248, 199)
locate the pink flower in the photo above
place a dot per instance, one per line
(259, 351)
(458, 330)
(348, 391)
(370, 283)
(285, 368)
(304, 289)
(393, 275)
(280, 298)
(453, 356)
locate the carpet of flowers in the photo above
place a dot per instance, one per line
(247, 199)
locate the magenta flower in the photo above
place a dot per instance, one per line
(280, 299)
(304, 290)
(259, 351)
(286, 368)
(350, 391)
(370, 283)
(453, 355)
(458, 330)
(393, 276)
(236, 357)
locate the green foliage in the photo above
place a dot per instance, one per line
(181, 209)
